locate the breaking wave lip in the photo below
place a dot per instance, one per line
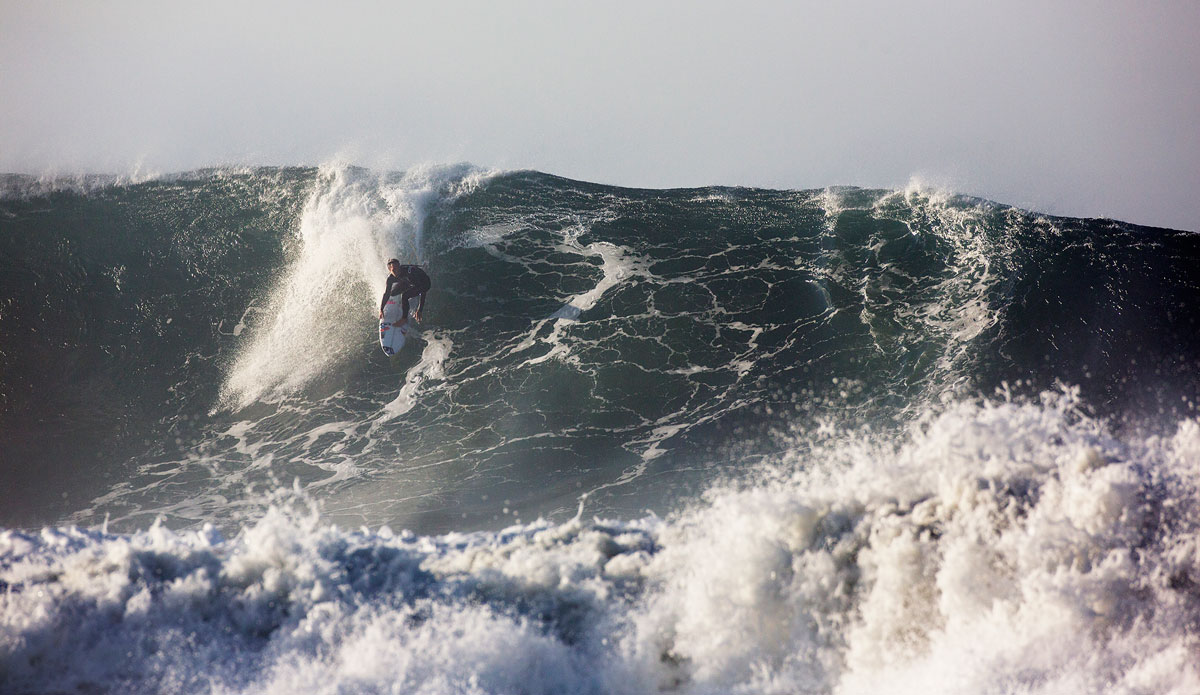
(25, 186)
(999, 546)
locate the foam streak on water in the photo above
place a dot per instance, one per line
(431, 368)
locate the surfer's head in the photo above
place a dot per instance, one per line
(393, 265)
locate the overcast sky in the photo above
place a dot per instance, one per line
(1078, 108)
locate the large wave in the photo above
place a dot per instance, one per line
(774, 441)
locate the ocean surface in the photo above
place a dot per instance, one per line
(716, 440)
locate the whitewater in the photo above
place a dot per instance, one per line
(717, 440)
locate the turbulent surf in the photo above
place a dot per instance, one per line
(699, 441)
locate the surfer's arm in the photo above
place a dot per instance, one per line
(386, 291)
(424, 283)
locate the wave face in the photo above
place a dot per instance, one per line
(845, 440)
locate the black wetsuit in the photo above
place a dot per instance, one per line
(408, 282)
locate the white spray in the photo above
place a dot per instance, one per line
(321, 311)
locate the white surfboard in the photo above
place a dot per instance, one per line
(391, 338)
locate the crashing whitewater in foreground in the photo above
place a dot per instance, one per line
(891, 441)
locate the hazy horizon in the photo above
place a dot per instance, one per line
(1070, 109)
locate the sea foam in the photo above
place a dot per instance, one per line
(994, 547)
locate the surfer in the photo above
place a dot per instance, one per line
(408, 281)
